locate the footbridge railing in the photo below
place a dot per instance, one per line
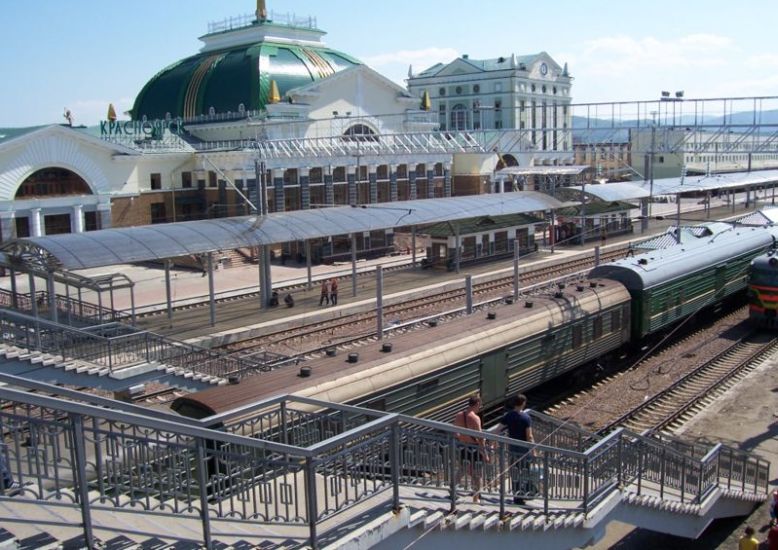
(70, 310)
(298, 464)
(116, 346)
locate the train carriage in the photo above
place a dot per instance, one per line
(763, 290)
(667, 285)
(529, 343)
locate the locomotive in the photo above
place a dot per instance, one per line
(763, 290)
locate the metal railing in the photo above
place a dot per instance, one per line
(301, 462)
(117, 349)
(69, 309)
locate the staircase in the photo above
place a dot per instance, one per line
(291, 470)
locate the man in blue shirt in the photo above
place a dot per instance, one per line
(519, 425)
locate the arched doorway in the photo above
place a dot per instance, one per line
(360, 132)
(52, 182)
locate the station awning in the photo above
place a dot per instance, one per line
(161, 241)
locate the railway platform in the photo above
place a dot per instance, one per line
(238, 306)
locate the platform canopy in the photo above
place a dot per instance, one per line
(160, 241)
(712, 182)
(612, 192)
(566, 170)
(677, 186)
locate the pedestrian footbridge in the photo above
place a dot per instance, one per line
(294, 472)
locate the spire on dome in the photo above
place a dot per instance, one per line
(261, 11)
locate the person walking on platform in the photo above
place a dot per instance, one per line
(334, 291)
(325, 292)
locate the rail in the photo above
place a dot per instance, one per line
(302, 462)
(117, 347)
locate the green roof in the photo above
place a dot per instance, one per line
(224, 79)
(7, 134)
(470, 226)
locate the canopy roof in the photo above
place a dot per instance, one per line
(565, 170)
(160, 241)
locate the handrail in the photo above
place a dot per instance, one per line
(375, 451)
(120, 350)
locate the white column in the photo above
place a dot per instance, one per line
(35, 222)
(77, 219)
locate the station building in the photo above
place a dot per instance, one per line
(528, 92)
(265, 103)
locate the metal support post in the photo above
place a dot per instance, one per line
(516, 270)
(413, 246)
(68, 304)
(202, 481)
(469, 294)
(307, 245)
(379, 301)
(395, 461)
(678, 218)
(552, 230)
(503, 476)
(52, 295)
(168, 297)
(211, 297)
(353, 265)
(33, 297)
(100, 306)
(310, 499)
(14, 296)
(597, 255)
(77, 425)
(546, 482)
(132, 303)
(452, 472)
(110, 293)
(457, 246)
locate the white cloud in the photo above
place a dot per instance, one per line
(627, 55)
(763, 61)
(424, 58)
(394, 65)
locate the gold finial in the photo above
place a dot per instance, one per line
(275, 96)
(111, 112)
(261, 11)
(426, 104)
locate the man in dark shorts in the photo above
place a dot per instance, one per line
(519, 425)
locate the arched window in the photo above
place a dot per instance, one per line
(52, 182)
(360, 132)
(458, 117)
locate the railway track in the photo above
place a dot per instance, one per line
(671, 408)
(351, 329)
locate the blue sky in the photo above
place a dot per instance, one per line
(83, 54)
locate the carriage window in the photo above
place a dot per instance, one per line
(615, 320)
(427, 386)
(577, 336)
(597, 328)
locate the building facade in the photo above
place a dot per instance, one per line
(530, 93)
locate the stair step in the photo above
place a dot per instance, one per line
(41, 541)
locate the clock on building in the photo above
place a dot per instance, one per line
(543, 69)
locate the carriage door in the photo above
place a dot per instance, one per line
(720, 280)
(493, 378)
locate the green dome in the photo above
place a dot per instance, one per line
(224, 79)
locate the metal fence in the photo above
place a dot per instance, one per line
(70, 310)
(116, 350)
(320, 460)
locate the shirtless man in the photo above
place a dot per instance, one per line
(473, 451)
